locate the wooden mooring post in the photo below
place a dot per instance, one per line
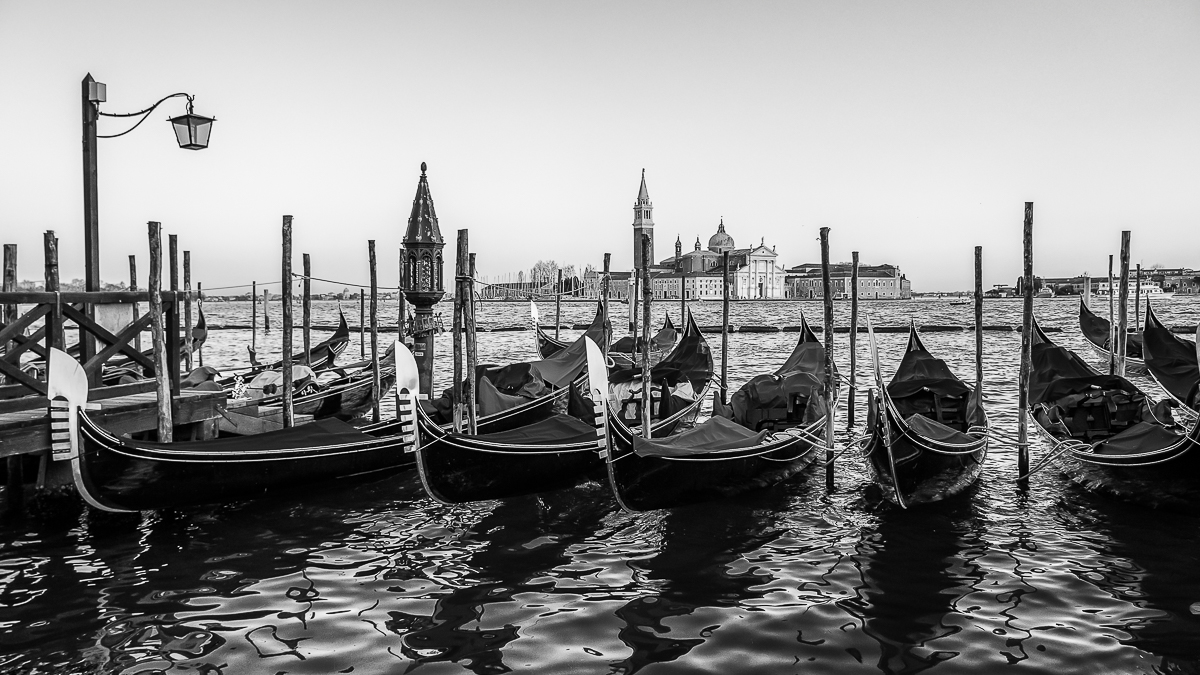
(375, 377)
(607, 339)
(724, 327)
(1026, 351)
(306, 309)
(1123, 307)
(172, 318)
(187, 309)
(362, 323)
(647, 371)
(159, 334)
(289, 418)
(682, 298)
(253, 319)
(558, 306)
(853, 339)
(15, 484)
(266, 312)
(830, 383)
(133, 284)
(472, 346)
(1112, 320)
(1137, 300)
(54, 336)
(402, 310)
(979, 321)
(460, 270)
(200, 306)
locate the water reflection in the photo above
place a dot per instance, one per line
(694, 567)
(917, 565)
(512, 551)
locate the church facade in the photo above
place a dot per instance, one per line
(754, 272)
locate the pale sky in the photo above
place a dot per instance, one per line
(915, 130)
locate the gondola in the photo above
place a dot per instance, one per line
(551, 453)
(345, 398)
(555, 451)
(321, 356)
(775, 423)
(120, 474)
(1172, 362)
(660, 341)
(1096, 329)
(928, 428)
(600, 331)
(1108, 434)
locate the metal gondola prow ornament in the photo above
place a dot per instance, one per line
(67, 389)
(408, 383)
(598, 388)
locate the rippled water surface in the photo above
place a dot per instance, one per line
(376, 578)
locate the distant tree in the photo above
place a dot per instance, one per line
(543, 271)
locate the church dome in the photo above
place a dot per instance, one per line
(720, 241)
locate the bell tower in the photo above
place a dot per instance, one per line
(643, 224)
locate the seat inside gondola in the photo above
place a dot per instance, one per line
(775, 402)
(1070, 400)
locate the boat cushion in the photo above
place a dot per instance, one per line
(715, 434)
(1138, 439)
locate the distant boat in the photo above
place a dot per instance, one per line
(1148, 290)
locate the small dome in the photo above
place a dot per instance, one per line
(720, 241)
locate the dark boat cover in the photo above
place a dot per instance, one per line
(921, 371)
(927, 428)
(1095, 329)
(773, 392)
(314, 434)
(1172, 361)
(554, 430)
(665, 337)
(690, 360)
(491, 400)
(712, 435)
(1140, 438)
(1057, 372)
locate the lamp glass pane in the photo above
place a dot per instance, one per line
(182, 131)
(202, 130)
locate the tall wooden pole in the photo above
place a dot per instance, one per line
(173, 356)
(830, 384)
(1026, 351)
(1137, 300)
(853, 339)
(724, 327)
(133, 284)
(604, 304)
(306, 309)
(54, 335)
(266, 312)
(253, 316)
(200, 309)
(979, 320)
(1123, 307)
(460, 271)
(1112, 320)
(187, 309)
(682, 297)
(472, 354)
(8, 312)
(289, 418)
(362, 323)
(647, 371)
(158, 333)
(376, 382)
(558, 306)
(402, 310)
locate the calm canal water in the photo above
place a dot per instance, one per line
(375, 578)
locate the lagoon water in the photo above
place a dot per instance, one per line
(376, 578)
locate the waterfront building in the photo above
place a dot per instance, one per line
(754, 273)
(882, 282)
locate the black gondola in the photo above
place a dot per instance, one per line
(599, 331)
(321, 356)
(551, 453)
(928, 428)
(344, 398)
(1172, 362)
(775, 422)
(120, 474)
(1096, 329)
(1110, 437)
(555, 451)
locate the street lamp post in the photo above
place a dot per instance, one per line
(192, 132)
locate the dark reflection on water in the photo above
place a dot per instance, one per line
(374, 578)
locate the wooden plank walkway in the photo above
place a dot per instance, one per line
(28, 431)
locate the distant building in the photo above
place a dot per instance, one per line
(882, 282)
(754, 273)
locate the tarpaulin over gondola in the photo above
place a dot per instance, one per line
(556, 429)
(1172, 361)
(712, 435)
(1057, 372)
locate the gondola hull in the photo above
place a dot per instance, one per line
(457, 468)
(916, 470)
(649, 483)
(1097, 331)
(120, 475)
